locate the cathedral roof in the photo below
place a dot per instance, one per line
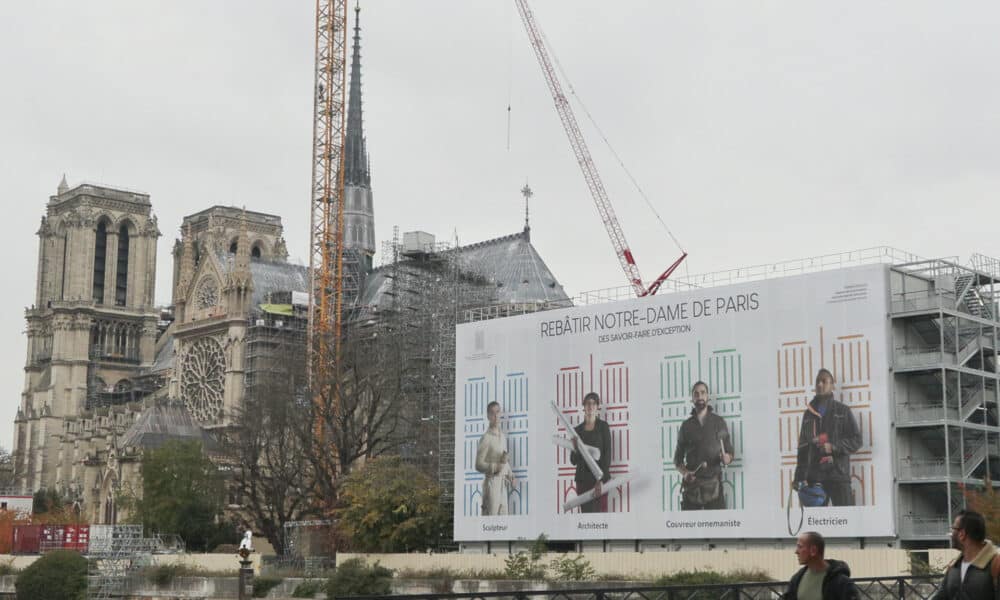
(270, 276)
(162, 422)
(511, 263)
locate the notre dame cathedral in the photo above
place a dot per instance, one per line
(110, 375)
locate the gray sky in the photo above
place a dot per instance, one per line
(761, 131)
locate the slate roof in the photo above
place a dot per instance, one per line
(271, 276)
(162, 422)
(510, 263)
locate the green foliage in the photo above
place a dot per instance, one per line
(163, 575)
(45, 501)
(523, 566)
(58, 575)
(919, 565)
(182, 493)
(308, 589)
(355, 578)
(7, 568)
(526, 565)
(539, 547)
(577, 568)
(710, 577)
(263, 585)
(390, 506)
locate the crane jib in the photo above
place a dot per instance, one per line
(590, 174)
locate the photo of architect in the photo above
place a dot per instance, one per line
(595, 433)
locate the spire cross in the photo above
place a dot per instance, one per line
(527, 193)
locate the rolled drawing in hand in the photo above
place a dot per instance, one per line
(587, 458)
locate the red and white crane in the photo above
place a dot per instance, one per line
(586, 162)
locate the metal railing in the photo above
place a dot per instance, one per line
(798, 266)
(929, 468)
(869, 588)
(935, 527)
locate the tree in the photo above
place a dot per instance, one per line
(390, 506)
(182, 493)
(57, 575)
(985, 501)
(359, 407)
(269, 443)
(46, 500)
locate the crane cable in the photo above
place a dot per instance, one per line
(572, 91)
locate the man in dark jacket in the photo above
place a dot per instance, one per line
(703, 447)
(828, 437)
(819, 578)
(973, 573)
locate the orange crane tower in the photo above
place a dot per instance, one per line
(590, 174)
(327, 217)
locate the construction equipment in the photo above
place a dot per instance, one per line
(326, 262)
(586, 163)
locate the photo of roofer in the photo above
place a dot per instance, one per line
(493, 462)
(594, 432)
(703, 449)
(827, 438)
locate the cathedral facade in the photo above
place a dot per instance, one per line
(109, 375)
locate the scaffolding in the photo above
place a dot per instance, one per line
(944, 319)
(116, 553)
(429, 289)
(270, 338)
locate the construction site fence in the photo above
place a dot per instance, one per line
(869, 588)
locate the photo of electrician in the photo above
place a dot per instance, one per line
(828, 437)
(703, 449)
(491, 461)
(593, 432)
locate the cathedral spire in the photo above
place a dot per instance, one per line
(527, 193)
(355, 154)
(63, 186)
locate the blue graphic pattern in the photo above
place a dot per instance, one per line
(478, 392)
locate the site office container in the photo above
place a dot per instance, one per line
(27, 539)
(35, 539)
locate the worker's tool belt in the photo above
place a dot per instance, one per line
(701, 491)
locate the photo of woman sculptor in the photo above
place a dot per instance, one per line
(595, 432)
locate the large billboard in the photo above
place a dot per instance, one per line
(588, 422)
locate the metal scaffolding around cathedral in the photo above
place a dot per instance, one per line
(426, 288)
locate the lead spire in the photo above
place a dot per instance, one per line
(355, 154)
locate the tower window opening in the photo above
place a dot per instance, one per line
(255, 252)
(121, 279)
(233, 247)
(100, 254)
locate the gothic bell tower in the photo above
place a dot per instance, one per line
(93, 325)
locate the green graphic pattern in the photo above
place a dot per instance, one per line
(722, 370)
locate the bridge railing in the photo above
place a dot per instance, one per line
(869, 588)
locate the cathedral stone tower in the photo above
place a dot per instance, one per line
(92, 328)
(359, 215)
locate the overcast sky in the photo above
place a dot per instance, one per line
(761, 131)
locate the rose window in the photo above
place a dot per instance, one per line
(203, 379)
(208, 294)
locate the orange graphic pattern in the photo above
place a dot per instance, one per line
(848, 357)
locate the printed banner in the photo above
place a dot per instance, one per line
(753, 410)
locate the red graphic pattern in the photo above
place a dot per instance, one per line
(613, 384)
